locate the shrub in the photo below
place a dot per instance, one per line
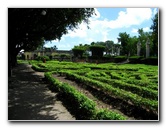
(41, 58)
(97, 50)
(105, 114)
(82, 107)
(150, 61)
(78, 52)
(135, 59)
(118, 59)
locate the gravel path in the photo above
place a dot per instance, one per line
(30, 99)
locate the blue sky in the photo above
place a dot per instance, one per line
(106, 25)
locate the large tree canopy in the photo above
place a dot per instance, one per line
(124, 39)
(155, 28)
(28, 27)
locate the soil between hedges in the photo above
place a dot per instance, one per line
(90, 94)
(104, 101)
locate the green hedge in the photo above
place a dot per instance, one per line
(119, 93)
(150, 61)
(118, 59)
(135, 59)
(104, 114)
(38, 67)
(83, 107)
(41, 58)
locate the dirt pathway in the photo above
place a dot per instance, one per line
(30, 99)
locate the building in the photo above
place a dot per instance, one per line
(46, 52)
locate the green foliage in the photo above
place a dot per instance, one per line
(97, 50)
(41, 58)
(135, 57)
(136, 84)
(83, 107)
(121, 57)
(124, 39)
(118, 59)
(132, 45)
(36, 25)
(141, 91)
(39, 67)
(150, 61)
(109, 45)
(78, 52)
(104, 114)
(143, 37)
(155, 36)
(117, 92)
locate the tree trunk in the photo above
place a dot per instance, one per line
(9, 65)
(12, 62)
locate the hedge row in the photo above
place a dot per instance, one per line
(84, 108)
(132, 59)
(119, 93)
(39, 68)
(141, 91)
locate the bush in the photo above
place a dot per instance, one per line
(38, 68)
(118, 59)
(78, 52)
(50, 57)
(97, 50)
(82, 107)
(105, 114)
(41, 58)
(150, 61)
(135, 59)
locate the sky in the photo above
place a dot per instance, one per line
(106, 25)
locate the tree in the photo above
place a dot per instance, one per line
(54, 48)
(154, 27)
(109, 44)
(115, 48)
(81, 50)
(132, 45)
(78, 52)
(124, 39)
(143, 37)
(97, 50)
(27, 27)
(93, 43)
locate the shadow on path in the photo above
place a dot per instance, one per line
(30, 99)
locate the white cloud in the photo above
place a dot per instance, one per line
(104, 35)
(64, 46)
(115, 40)
(100, 29)
(132, 16)
(134, 30)
(80, 32)
(89, 40)
(146, 29)
(46, 45)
